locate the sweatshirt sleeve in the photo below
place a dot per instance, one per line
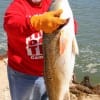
(75, 26)
(15, 19)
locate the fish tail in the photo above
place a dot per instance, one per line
(75, 48)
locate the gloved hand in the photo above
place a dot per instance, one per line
(48, 22)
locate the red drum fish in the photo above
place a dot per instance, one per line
(60, 49)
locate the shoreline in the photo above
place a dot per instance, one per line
(4, 87)
(78, 91)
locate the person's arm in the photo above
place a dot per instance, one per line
(15, 19)
(48, 22)
(75, 26)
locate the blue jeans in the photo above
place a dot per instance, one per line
(26, 87)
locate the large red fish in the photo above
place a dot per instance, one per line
(60, 49)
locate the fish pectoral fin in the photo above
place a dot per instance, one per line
(66, 41)
(62, 44)
(75, 48)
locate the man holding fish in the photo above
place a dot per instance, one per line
(24, 22)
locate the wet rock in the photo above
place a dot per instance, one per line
(85, 90)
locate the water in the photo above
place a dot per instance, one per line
(3, 45)
(87, 13)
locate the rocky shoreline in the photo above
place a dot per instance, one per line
(4, 87)
(79, 91)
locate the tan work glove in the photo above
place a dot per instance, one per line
(48, 22)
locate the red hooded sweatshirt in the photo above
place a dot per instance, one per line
(24, 43)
